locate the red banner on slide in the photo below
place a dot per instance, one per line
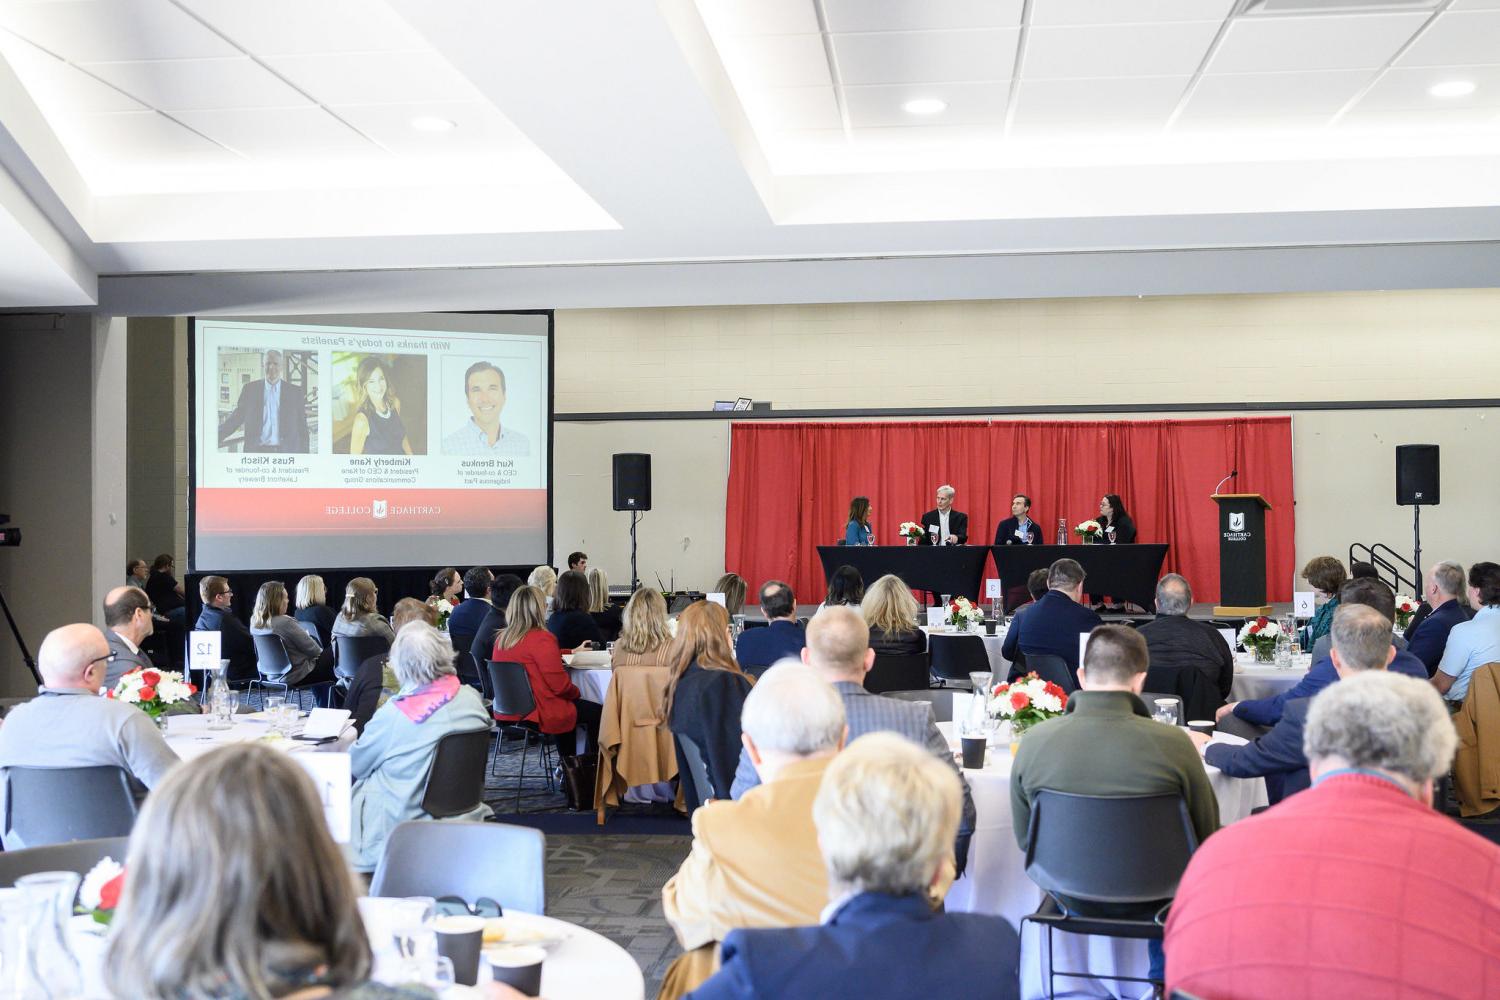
(366, 511)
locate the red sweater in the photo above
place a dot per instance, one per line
(550, 685)
(1349, 889)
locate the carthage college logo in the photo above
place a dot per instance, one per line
(378, 510)
(1236, 519)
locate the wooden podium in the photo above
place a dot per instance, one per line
(1242, 555)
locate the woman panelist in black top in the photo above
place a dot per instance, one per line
(1118, 528)
(377, 428)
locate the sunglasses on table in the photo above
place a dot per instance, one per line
(453, 906)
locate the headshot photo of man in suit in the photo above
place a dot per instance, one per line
(272, 411)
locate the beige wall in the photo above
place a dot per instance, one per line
(157, 423)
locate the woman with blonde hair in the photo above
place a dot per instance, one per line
(525, 640)
(733, 587)
(269, 617)
(606, 615)
(544, 578)
(891, 612)
(312, 607)
(359, 616)
(705, 691)
(644, 632)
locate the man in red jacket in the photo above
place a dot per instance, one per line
(1355, 887)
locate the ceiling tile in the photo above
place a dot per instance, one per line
(1406, 89)
(903, 15)
(133, 138)
(780, 108)
(776, 61)
(1048, 12)
(763, 17)
(1415, 123)
(927, 56)
(299, 27)
(180, 84)
(113, 30)
(1168, 49)
(480, 128)
(279, 133)
(1475, 5)
(1239, 126)
(58, 87)
(1248, 94)
(375, 77)
(1126, 102)
(1280, 44)
(1465, 38)
(968, 104)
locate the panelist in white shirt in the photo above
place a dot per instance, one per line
(945, 526)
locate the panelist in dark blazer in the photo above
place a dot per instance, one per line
(944, 525)
(1055, 622)
(283, 427)
(1114, 523)
(1019, 528)
(235, 643)
(758, 648)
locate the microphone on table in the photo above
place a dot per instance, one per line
(1233, 474)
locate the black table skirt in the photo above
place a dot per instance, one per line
(957, 570)
(1123, 571)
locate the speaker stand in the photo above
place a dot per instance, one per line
(1416, 532)
(635, 582)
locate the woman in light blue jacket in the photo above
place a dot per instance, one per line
(391, 759)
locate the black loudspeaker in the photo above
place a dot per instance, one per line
(1417, 475)
(632, 481)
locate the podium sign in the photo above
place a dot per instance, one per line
(1242, 554)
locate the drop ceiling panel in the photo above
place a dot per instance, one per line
(1291, 44)
(776, 61)
(1400, 89)
(280, 133)
(968, 104)
(56, 86)
(375, 77)
(1044, 106)
(138, 138)
(927, 56)
(903, 15)
(113, 30)
(1170, 49)
(1243, 94)
(179, 84)
(1457, 39)
(306, 27)
(1416, 123)
(761, 17)
(1050, 12)
(794, 108)
(480, 129)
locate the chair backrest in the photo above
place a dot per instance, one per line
(464, 641)
(53, 805)
(898, 673)
(697, 767)
(941, 700)
(955, 657)
(479, 654)
(356, 649)
(311, 628)
(510, 689)
(455, 782)
(469, 860)
(75, 856)
(1109, 849)
(271, 659)
(1199, 698)
(1051, 667)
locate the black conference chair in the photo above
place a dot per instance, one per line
(941, 700)
(463, 666)
(1051, 667)
(356, 649)
(513, 696)
(54, 805)
(469, 860)
(455, 782)
(898, 673)
(955, 657)
(1150, 842)
(703, 786)
(273, 664)
(75, 856)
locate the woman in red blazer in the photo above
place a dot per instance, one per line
(525, 640)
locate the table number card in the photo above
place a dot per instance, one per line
(1229, 638)
(717, 599)
(1302, 604)
(936, 617)
(1083, 641)
(992, 590)
(331, 776)
(204, 651)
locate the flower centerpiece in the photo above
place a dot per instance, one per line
(963, 614)
(1405, 608)
(1088, 532)
(1259, 635)
(1026, 702)
(444, 608)
(153, 691)
(911, 531)
(100, 892)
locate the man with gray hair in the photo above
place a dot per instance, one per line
(272, 411)
(1427, 636)
(943, 525)
(1361, 641)
(755, 861)
(885, 815)
(1356, 887)
(1188, 658)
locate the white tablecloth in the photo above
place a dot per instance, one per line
(996, 881)
(1265, 680)
(592, 682)
(189, 736)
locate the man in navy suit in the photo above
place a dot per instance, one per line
(1428, 638)
(1019, 528)
(758, 648)
(1055, 622)
(886, 814)
(464, 621)
(272, 411)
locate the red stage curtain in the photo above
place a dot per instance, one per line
(790, 485)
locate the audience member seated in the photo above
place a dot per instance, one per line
(845, 589)
(1106, 743)
(702, 701)
(269, 617)
(127, 624)
(570, 620)
(1428, 638)
(68, 725)
(891, 612)
(1177, 646)
(1360, 570)
(758, 648)
(544, 578)
(501, 587)
(525, 640)
(374, 680)
(1036, 586)
(1473, 643)
(393, 756)
(838, 648)
(1364, 592)
(755, 862)
(137, 573)
(1361, 641)
(607, 615)
(885, 815)
(1055, 622)
(235, 644)
(312, 608)
(264, 905)
(578, 561)
(1325, 575)
(359, 615)
(447, 585)
(634, 748)
(645, 633)
(1355, 888)
(734, 588)
(463, 623)
(163, 588)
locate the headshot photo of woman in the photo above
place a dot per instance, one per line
(380, 403)
(377, 428)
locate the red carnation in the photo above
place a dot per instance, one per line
(1056, 691)
(150, 678)
(192, 689)
(1262, 620)
(110, 693)
(1001, 688)
(1255, 628)
(1019, 700)
(148, 692)
(109, 892)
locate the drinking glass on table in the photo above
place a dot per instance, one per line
(273, 708)
(1165, 711)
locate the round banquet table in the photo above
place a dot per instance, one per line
(996, 881)
(189, 736)
(592, 682)
(999, 665)
(1265, 680)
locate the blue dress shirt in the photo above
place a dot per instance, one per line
(1471, 644)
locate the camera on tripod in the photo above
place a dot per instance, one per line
(8, 536)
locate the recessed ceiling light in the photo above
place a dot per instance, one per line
(1452, 88)
(925, 106)
(429, 123)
